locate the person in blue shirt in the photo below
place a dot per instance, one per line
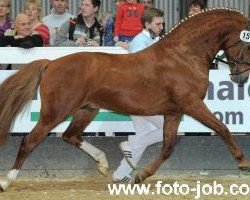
(107, 22)
(149, 35)
(149, 129)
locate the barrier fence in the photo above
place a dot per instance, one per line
(225, 99)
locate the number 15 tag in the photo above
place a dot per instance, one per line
(245, 36)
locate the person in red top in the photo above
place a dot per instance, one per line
(34, 11)
(128, 21)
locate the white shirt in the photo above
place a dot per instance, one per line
(142, 41)
(54, 22)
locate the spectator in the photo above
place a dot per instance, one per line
(135, 146)
(21, 36)
(147, 3)
(59, 15)
(5, 21)
(128, 21)
(107, 22)
(85, 30)
(195, 6)
(34, 11)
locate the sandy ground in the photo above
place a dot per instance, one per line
(96, 187)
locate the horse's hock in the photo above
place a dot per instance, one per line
(193, 154)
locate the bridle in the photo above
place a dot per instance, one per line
(233, 62)
(232, 65)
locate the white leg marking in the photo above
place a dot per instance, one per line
(90, 149)
(11, 176)
(98, 155)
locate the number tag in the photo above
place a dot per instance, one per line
(245, 36)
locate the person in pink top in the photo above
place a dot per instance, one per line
(33, 9)
(5, 21)
(128, 21)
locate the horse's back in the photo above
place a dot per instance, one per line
(107, 80)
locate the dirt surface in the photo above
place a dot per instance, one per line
(96, 187)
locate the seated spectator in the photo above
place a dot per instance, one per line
(22, 36)
(59, 15)
(5, 21)
(107, 22)
(34, 11)
(85, 30)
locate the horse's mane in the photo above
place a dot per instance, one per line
(207, 11)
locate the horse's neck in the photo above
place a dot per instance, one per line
(203, 39)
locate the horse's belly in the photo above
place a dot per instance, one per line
(136, 103)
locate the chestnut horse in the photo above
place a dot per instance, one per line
(169, 78)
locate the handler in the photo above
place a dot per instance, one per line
(148, 129)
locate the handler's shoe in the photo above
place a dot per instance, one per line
(127, 152)
(125, 179)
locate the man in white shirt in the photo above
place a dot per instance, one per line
(149, 130)
(59, 15)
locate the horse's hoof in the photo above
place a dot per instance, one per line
(103, 166)
(244, 166)
(1, 187)
(137, 179)
(103, 170)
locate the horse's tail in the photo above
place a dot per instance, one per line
(16, 91)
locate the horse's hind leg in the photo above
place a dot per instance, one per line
(29, 142)
(73, 135)
(201, 113)
(170, 128)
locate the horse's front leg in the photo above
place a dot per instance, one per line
(170, 128)
(199, 111)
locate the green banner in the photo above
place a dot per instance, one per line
(101, 116)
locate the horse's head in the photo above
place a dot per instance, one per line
(238, 56)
